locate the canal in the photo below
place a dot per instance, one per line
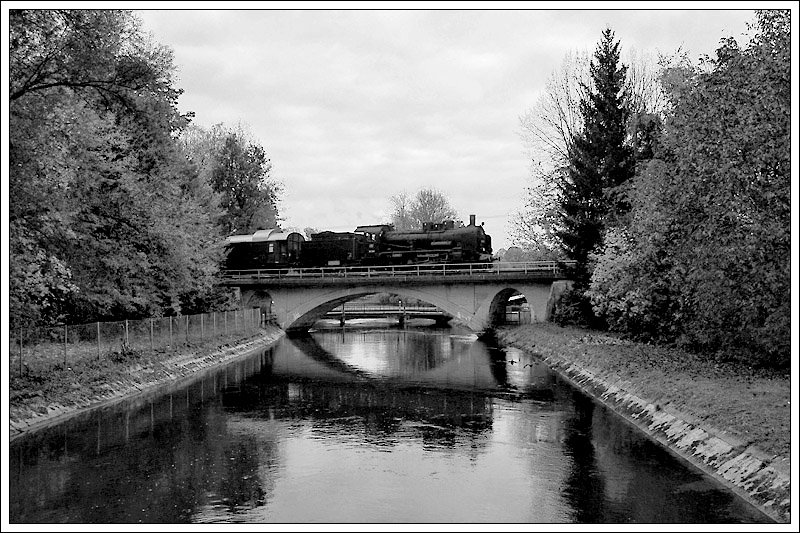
(364, 424)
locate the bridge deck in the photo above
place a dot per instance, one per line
(475, 272)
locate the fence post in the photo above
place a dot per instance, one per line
(187, 328)
(226, 322)
(98, 341)
(170, 331)
(201, 327)
(127, 342)
(214, 319)
(151, 334)
(65, 345)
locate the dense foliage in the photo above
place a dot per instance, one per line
(110, 216)
(234, 168)
(704, 259)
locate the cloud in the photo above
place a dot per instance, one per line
(354, 106)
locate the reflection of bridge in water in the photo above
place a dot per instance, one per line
(409, 358)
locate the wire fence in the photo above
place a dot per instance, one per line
(42, 348)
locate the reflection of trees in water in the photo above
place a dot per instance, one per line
(320, 401)
(618, 476)
(371, 411)
(161, 463)
(498, 366)
(240, 484)
(584, 487)
(645, 485)
(523, 374)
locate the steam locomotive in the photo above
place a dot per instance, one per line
(381, 244)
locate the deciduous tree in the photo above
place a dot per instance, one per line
(427, 205)
(100, 223)
(241, 175)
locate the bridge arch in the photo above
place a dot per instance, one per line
(305, 313)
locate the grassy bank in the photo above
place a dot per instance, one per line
(40, 396)
(753, 405)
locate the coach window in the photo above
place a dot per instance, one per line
(271, 247)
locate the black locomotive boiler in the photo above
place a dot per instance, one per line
(443, 242)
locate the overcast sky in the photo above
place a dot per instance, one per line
(354, 106)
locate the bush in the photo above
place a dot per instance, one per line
(575, 309)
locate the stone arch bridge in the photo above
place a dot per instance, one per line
(474, 294)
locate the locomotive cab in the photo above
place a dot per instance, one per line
(374, 237)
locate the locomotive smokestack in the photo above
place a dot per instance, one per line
(472, 220)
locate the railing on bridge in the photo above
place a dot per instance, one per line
(536, 268)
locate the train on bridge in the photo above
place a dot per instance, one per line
(381, 244)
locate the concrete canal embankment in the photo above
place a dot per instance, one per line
(734, 456)
(134, 382)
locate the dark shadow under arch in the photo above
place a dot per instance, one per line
(497, 310)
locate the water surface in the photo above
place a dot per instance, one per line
(362, 425)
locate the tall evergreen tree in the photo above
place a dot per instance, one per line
(591, 192)
(600, 159)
